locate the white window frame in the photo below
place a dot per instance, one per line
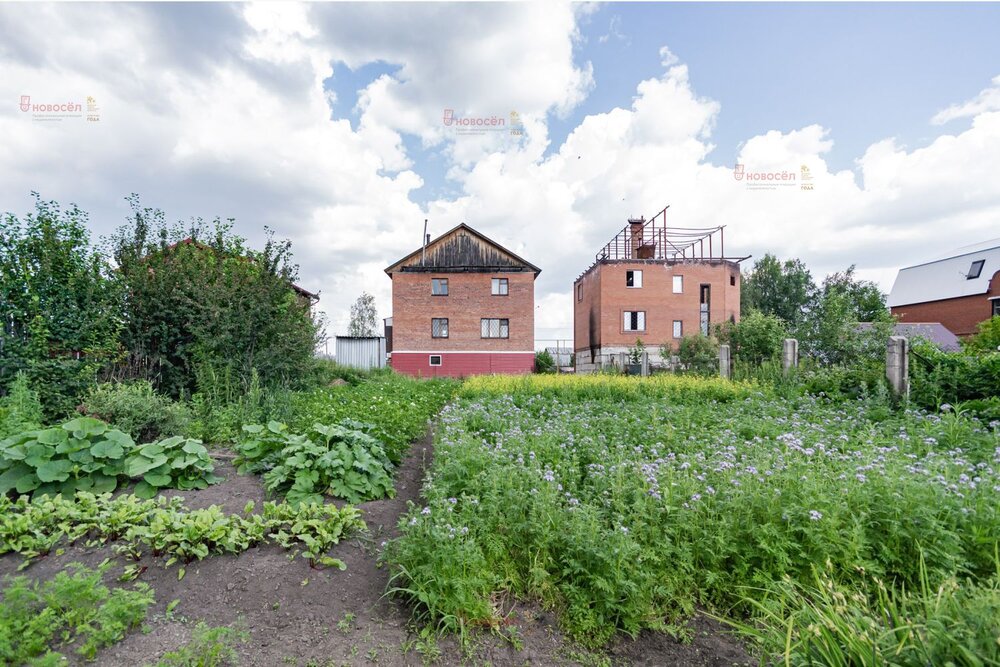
(500, 287)
(678, 329)
(678, 284)
(640, 320)
(430, 359)
(636, 278)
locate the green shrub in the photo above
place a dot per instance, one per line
(755, 339)
(544, 363)
(987, 338)
(84, 454)
(20, 409)
(699, 354)
(74, 607)
(138, 410)
(938, 377)
(339, 459)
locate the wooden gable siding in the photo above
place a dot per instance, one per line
(462, 249)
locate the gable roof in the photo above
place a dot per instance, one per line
(946, 277)
(462, 249)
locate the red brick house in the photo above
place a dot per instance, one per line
(462, 305)
(959, 290)
(656, 284)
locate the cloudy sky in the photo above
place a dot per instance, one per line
(326, 123)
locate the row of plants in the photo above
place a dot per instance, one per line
(74, 608)
(165, 528)
(85, 454)
(624, 511)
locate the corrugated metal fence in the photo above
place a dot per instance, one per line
(363, 353)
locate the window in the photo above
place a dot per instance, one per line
(996, 307)
(678, 284)
(500, 287)
(495, 328)
(435, 360)
(439, 286)
(633, 279)
(975, 269)
(634, 320)
(732, 281)
(705, 307)
(579, 292)
(439, 327)
(678, 329)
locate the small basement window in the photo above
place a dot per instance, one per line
(634, 320)
(500, 287)
(439, 286)
(976, 269)
(678, 284)
(633, 279)
(435, 360)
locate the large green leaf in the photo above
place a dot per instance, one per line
(27, 483)
(157, 480)
(103, 483)
(107, 449)
(36, 455)
(195, 447)
(145, 490)
(54, 471)
(9, 479)
(83, 427)
(52, 436)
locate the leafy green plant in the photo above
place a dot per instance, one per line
(75, 606)
(137, 409)
(175, 463)
(336, 459)
(20, 409)
(165, 528)
(84, 454)
(544, 363)
(699, 354)
(208, 647)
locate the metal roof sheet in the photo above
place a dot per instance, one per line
(947, 277)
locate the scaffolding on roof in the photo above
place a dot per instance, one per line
(653, 239)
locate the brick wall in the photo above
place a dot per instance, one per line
(605, 291)
(469, 299)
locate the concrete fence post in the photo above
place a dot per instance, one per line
(897, 366)
(790, 355)
(645, 363)
(725, 362)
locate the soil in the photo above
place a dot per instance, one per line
(296, 615)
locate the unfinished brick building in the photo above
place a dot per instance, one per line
(656, 284)
(462, 305)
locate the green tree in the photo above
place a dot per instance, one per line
(699, 354)
(59, 311)
(756, 338)
(785, 290)
(987, 338)
(364, 317)
(202, 307)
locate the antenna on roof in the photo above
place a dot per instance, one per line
(423, 251)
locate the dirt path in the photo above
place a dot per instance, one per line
(296, 615)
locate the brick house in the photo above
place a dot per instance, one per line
(959, 290)
(462, 305)
(655, 284)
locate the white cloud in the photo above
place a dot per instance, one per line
(987, 100)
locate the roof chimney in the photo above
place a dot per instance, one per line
(635, 234)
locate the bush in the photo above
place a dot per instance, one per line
(20, 409)
(699, 354)
(755, 339)
(987, 338)
(85, 455)
(339, 459)
(138, 410)
(950, 377)
(544, 363)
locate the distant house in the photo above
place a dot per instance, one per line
(656, 284)
(933, 332)
(462, 305)
(959, 290)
